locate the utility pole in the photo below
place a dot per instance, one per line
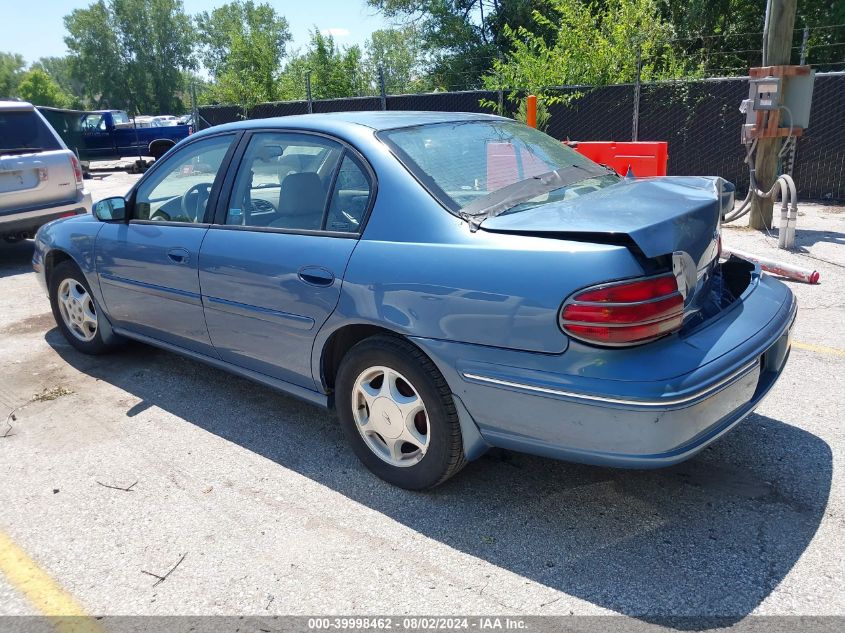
(777, 49)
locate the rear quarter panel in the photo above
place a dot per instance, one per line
(502, 291)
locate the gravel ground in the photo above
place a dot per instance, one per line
(275, 516)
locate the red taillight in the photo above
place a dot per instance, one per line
(77, 170)
(625, 313)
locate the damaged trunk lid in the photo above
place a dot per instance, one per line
(671, 220)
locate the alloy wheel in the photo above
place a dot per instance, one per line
(77, 309)
(391, 416)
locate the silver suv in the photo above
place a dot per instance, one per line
(40, 178)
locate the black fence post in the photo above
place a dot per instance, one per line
(635, 124)
(804, 45)
(308, 91)
(195, 113)
(382, 88)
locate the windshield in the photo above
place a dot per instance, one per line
(464, 161)
(22, 131)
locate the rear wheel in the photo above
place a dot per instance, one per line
(157, 150)
(396, 411)
(74, 309)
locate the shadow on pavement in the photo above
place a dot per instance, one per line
(810, 237)
(711, 537)
(15, 258)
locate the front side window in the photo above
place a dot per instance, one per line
(93, 122)
(461, 162)
(179, 189)
(285, 181)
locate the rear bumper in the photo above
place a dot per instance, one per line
(26, 222)
(560, 406)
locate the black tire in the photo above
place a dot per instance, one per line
(68, 270)
(159, 150)
(444, 456)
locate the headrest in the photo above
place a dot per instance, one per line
(302, 194)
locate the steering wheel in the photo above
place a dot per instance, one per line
(202, 191)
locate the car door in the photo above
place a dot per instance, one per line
(272, 266)
(96, 136)
(147, 266)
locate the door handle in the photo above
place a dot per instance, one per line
(316, 276)
(178, 255)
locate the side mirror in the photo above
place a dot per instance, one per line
(110, 209)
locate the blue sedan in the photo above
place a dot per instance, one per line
(445, 282)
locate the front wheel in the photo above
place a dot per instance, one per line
(75, 311)
(396, 411)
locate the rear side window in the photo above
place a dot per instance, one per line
(350, 197)
(284, 181)
(24, 132)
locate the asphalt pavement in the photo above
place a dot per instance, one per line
(117, 469)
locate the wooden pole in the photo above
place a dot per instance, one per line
(777, 51)
(531, 111)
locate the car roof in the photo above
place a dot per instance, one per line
(376, 120)
(16, 106)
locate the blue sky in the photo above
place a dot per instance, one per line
(40, 33)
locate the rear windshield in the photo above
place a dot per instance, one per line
(22, 132)
(460, 162)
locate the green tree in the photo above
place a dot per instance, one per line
(243, 44)
(725, 36)
(291, 85)
(593, 44)
(462, 38)
(335, 72)
(131, 53)
(60, 69)
(39, 88)
(156, 44)
(11, 69)
(95, 59)
(398, 53)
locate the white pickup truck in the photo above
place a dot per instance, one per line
(40, 178)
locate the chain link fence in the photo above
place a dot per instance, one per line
(700, 119)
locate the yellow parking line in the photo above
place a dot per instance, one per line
(42, 591)
(818, 348)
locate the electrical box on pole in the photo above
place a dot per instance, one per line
(778, 103)
(777, 107)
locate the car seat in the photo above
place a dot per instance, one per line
(302, 199)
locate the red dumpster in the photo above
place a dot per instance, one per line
(644, 158)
